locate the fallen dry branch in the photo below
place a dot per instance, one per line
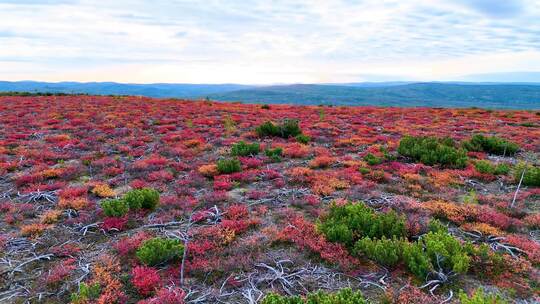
(19, 267)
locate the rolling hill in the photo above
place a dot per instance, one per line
(402, 94)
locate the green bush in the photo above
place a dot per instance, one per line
(486, 167)
(274, 154)
(227, 166)
(364, 170)
(433, 151)
(470, 198)
(421, 256)
(372, 160)
(492, 144)
(142, 198)
(86, 293)
(302, 138)
(531, 177)
(289, 128)
(453, 253)
(416, 260)
(436, 225)
(159, 250)
(267, 129)
(501, 169)
(274, 298)
(350, 222)
(242, 148)
(114, 207)
(383, 251)
(343, 296)
(479, 297)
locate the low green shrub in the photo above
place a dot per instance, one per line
(490, 144)
(343, 296)
(242, 148)
(387, 155)
(479, 297)
(531, 176)
(384, 251)
(416, 260)
(227, 166)
(86, 293)
(267, 129)
(436, 225)
(159, 250)
(470, 198)
(486, 167)
(364, 170)
(381, 237)
(433, 151)
(274, 154)
(501, 169)
(372, 160)
(289, 128)
(350, 222)
(302, 138)
(114, 207)
(434, 249)
(452, 253)
(145, 198)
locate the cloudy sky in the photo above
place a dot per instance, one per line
(250, 41)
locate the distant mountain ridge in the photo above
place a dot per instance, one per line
(402, 94)
(158, 90)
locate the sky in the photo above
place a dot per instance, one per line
(268, 42)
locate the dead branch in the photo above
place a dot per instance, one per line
(19, 267)
(518, 187)
(163, 225)
(38, 195)
(84, 229)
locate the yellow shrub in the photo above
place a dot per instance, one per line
(103, 190)
(50, 217)
(209, 170)
(51, 173)
(74, 203)
(33, 230)
(484, 228)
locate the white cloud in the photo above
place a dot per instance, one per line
(262, 42)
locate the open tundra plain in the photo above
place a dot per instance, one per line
(141, 200)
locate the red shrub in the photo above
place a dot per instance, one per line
(222, 183)
(531, 248)
(237, 212)
(128, 245)
(60, 271)
(115, 223)
(160, 176)
(73, 192)
(145, 279)
(494, 218)
(153, 162)
(138, 184)
(254, 194)
(303, 234)
(533, 220)
(168, 295)
(251, 162)
(66, 250)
